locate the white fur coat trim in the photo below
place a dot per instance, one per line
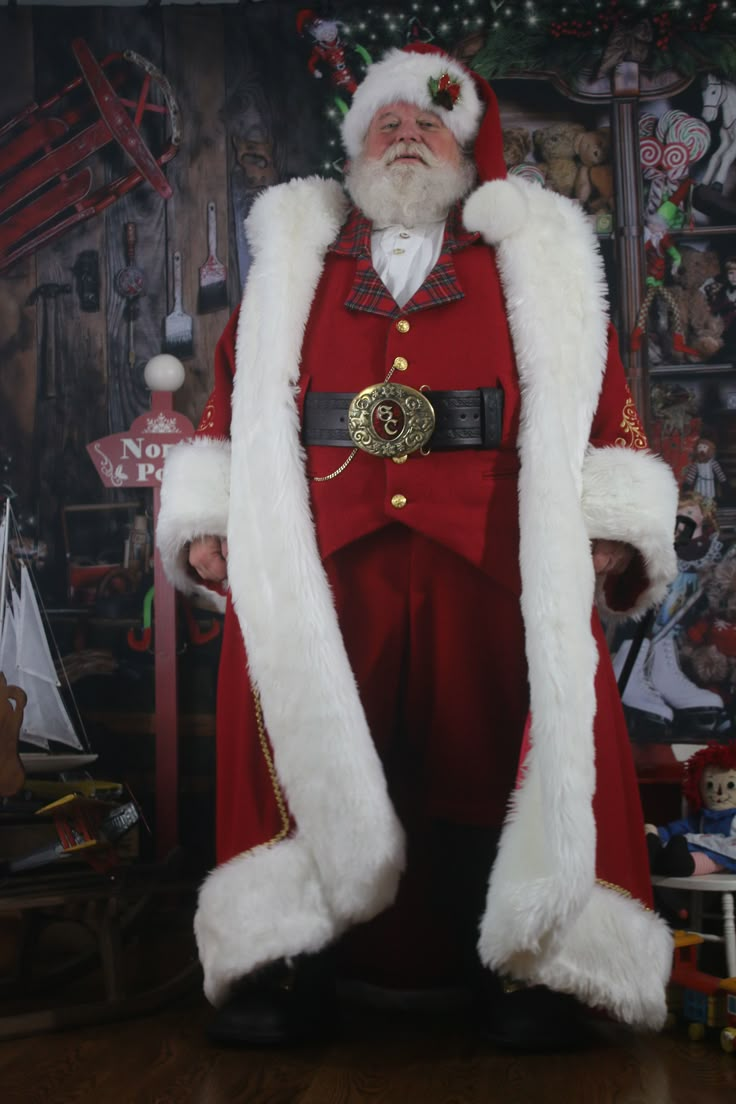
(615, 954)
(345, 861)
(543, 880)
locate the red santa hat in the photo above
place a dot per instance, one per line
(428, 77)
(304, 17)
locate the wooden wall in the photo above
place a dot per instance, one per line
(69, 375)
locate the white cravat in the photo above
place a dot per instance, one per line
(403, 256)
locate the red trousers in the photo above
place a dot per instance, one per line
(437, 649)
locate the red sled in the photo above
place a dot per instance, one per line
(45, 187)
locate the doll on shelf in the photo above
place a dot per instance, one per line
(704, 475)
(722, 298)
(704, 841)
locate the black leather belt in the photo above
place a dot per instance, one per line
(462, 419)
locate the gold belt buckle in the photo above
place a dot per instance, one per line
(390, 419)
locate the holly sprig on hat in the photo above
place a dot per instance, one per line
(444, 91)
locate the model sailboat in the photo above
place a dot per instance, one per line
(26, 661)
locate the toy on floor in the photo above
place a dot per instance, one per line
(704, 1002)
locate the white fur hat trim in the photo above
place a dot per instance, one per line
(404, 76)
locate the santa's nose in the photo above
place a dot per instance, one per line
(408, 131)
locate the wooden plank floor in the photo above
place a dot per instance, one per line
(377, 1058)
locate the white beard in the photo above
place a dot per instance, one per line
(407, 193)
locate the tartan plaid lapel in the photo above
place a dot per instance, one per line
(370, 294)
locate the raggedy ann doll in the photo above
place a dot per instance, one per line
(705, 840)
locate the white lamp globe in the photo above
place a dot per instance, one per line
(164, 372)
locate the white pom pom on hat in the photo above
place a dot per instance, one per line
(404, 76)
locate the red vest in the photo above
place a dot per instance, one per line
(465, 499)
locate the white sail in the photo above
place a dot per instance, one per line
(25, 659)
(9, 667)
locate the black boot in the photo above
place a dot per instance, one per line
(533, 1019)
(287, 1002)
(654, 850)
(675, 859)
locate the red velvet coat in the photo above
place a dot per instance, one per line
(565, 907)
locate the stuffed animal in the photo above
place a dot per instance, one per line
(517, 143)
(702, 330)
(594, 178)
(705, 840)
(554, 149)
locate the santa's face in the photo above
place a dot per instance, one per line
(718, 788)
(410, 170)
(403, 133)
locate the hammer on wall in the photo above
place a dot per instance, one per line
(48, 293)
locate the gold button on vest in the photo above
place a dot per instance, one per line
(398, 501)
(403, 326)
(400, 364)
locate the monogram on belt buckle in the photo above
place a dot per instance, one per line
(390, 419)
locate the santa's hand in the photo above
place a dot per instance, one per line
(611, 557)
(208, 557)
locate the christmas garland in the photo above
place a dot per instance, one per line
(570, 38)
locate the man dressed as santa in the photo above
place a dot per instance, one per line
(419, 470)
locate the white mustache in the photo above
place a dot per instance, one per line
(410, 149)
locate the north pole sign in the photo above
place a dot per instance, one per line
(133, 460)
(136, 457)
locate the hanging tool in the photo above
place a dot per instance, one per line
(86, 271)
(131, 284)
(178, 338)
(48, 293)
(212, 274)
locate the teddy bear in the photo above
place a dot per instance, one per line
(702, 330)
(704, 840)
(554, 149)
(517, 143)
(594, 178)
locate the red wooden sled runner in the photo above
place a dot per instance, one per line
(45, 187)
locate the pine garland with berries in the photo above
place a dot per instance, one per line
(686, 36)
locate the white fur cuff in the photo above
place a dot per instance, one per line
(195, 502)
(631, 496)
